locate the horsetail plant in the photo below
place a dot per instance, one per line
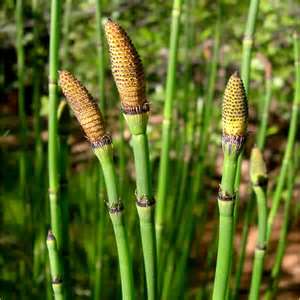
(55, 267)
(90, 118)
(234, 120)
(57, 221)
(167, 122)
(282, 243)
(129, 77)
(259, 179)
(248, 42)
(290, 141)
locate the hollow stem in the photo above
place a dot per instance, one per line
(290, 142)
(261, 242)
(53, 151)
(166, 127)
(146, 210)
(226, 208)
(104, 154)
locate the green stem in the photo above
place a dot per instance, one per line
(104, 155)
(55, 268)
(273, 285)
(166, 127)
(248, 43)
(290, 142)
(226, 209)
(261, 242)
(53, 155)
(146, 213)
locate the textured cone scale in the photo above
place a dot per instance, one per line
(235, 108)
(84, 107)
(127, 69)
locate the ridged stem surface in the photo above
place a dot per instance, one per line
(261, 242)
(166, 127)
(146, 214)
(290, 142)
(248, 42)
(226, 208)
(281, 247)
(104, 155)
(53, 155)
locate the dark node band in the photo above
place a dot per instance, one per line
(261, 182)
(50, 236)
(115, 208)
(57, 280)
(225, 196)
(105, 140)
(136, 110)
(262, 248)
(145, 202)
(233, 142)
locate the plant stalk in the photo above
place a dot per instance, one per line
(290, 141)
(167, 121)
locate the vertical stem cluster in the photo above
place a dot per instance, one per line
(129, 76)
(291, 139)
(248, 42)
(91, 120)
(276, 269)
(167, 121)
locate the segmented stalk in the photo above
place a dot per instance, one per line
(258, 176)
(129, 76)
(167, 122)
(291, 139)
(92, 123)
(53, 151)
(234, 120)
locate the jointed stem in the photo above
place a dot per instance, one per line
(226, 208)
(261, 243)
(104, 155)
(290, 142)
(166, 130)
(146, 210)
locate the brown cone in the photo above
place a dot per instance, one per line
(127, 69)
(84, 107)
